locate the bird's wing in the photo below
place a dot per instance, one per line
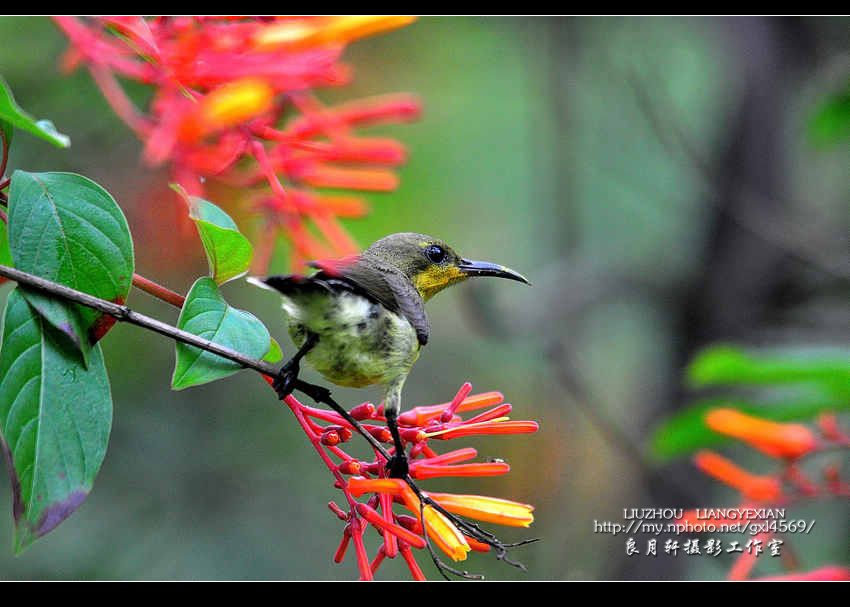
(385, 284)
(293, 284)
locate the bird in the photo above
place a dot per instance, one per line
(361, 320)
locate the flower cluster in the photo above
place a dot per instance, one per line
(233, 101)
(789, 444)
(402, 533)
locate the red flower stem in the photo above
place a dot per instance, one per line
(341, 454)
(328, 416)
(360, 549)
(407, 555)
(379, 558)
(3, 216)
(316, 428)
(355, 522)
(5, 183)
(158, 291)
(390, 544)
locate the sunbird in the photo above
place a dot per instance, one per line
(362, 321)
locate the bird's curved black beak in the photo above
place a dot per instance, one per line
(485, 268)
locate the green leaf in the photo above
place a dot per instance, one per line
(206, 314)
(229, 253)
(686, 431)
(727, 365)
(275, 354)
(5, 253)
(11, 113)
(6, 132)
(66, 228)
(831, 120)
(55, 418)
(63, 316)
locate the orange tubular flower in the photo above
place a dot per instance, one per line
(774, 439)
(490, 509)
(759, 488)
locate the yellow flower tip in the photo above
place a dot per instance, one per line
(329, 30)
(227, 105)
(440, 529)
(488, 509)
(237, 101)
(444, 533)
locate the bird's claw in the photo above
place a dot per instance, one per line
(397, 466)
(284, 383)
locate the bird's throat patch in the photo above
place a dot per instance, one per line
(436, 278)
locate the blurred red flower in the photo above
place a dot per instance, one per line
(234, 101)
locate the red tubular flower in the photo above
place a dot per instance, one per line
(222, 86)
(771, 438)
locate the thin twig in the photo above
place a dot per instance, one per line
(158, 291)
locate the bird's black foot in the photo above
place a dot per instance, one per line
(398, 466)
(286, 379)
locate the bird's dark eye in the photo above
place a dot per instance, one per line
(435, 254)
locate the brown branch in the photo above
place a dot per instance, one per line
(125, 314)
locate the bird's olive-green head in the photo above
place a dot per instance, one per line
(431, 264)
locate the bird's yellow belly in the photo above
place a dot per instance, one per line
(360, 342)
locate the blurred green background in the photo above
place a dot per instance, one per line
(655, 178)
